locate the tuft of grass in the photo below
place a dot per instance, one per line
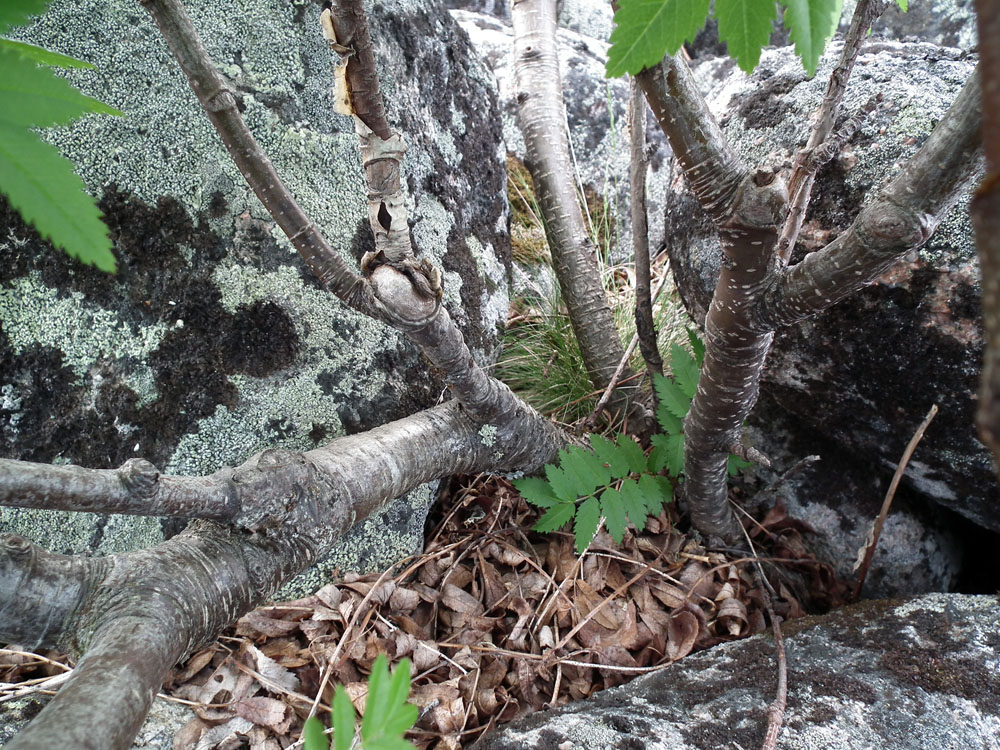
(527, 232)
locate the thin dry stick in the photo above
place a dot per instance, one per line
(776, 711)
(645, 332)
(606, 396)
(803, 173)
(880, 521)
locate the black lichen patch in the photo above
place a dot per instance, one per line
(165, 261)
(765, 106)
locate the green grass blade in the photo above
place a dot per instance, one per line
(43, 188)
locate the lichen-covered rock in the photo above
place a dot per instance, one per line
(924, 673)
(213, 341)
(922, 548)
(597, 125)
(864, 373)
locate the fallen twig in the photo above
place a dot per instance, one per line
(869, 549)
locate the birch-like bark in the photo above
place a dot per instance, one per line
(574, 258)
(986, 219)
(220, 106)
(800, 183)
(754, 295)
(135, 615)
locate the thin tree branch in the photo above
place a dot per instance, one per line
(713, 170)
(986, 220)
(866, 12)
(902, 218)
(356, 93)
(220, 106)
(638, 163)
(540, 114)
(135, 488)
(872, 541)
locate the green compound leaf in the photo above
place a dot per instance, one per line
(556, 517)
(633, 454)
(563, 485)
(670, 424)
(671, 397)
(685, 370)
(697, 346)
(588, 515)
(735, 463)
(745, 27)
(18, 12)
(37, 97)
(655, 491)
(387, 714)
(645, 30)
(343, 720)
(810, 25)
(38, 181)
(609, 453)
(668, 453)
(536, 491)
(634, 503)
(313, 737)
(42, 56)
(614, 513)
(903, 5)
(588, 469)
(43, 188)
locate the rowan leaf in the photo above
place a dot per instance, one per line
(586, 468)
(667, 453)
(735, 463)
(810, 25)
(556, 517)
(633, 454)
(685, 370)
(18, 12)
(313, 736)
(588, 515)
(745, 27)
(697, 346)
(634, 504)
(343, 720)
(656, 491)
(387, 714)
(645, 30)
(671, 397)
(903, 5)
(563, 485)
(614, 513)
(43, 188)
(42, 56)
(610, 454)
(536, 491)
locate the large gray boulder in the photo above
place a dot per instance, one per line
(863, 374)
(923, 673)
(213, 341)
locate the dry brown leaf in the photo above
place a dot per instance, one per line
(266, 712)
(697, 578)
(255, 624)
(330, 595)
(682, 632)
(276, 677)
(404, 600)
(460, 601)
(733, 617)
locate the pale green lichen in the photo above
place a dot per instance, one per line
(488, 435)
(33, 313)
(373, 544)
